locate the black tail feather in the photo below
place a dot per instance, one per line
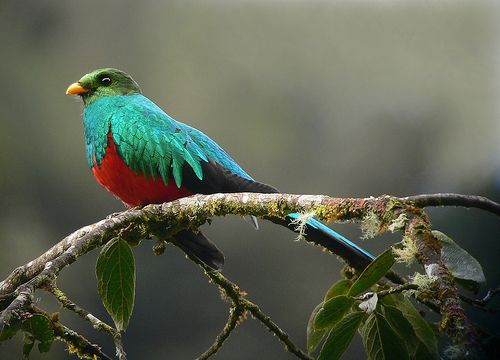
(200, 247)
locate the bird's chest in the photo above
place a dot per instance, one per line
(130, 187)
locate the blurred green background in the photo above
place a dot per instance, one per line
(346, 98)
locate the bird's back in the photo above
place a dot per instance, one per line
(134, 149)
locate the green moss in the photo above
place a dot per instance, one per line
(300, 224)
(278, 209)
(159, 247)
(408, 251)
(399, 223)
(370, 225)
(326, 212)
(424, 282)
(393, 204)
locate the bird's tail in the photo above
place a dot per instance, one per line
(202, 248)
(321, 234)
(199, 246)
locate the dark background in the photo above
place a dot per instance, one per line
(345, 98)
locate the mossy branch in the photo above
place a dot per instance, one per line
(380, 214)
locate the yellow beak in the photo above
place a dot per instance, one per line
(76, 89)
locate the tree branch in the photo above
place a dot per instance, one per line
(381, 214)
(451, 199)
(454, 321)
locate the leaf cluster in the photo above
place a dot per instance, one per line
(390, 327)
(37, 328)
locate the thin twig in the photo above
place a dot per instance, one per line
(76, 342)
(283, 336)
(235, 313)
(481, 303)
(477, 304)
(84, 314)
(451, 199)
(489, 295)
(392, 290)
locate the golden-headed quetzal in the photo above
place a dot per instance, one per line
(143, 156)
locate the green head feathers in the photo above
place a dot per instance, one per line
(104, 82)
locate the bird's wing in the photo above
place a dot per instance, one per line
(153, 143)
(220, 173)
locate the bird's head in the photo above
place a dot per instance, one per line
(103, 82)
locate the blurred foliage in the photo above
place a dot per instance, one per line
(346, 98)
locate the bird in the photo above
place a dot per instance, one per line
(144, 156)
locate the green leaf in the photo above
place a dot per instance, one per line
(8, 331)
(401, 326)
(339, 288)
(314, 336)
(341, 336)
(373, 273)
(463, 266)
(423, 330)
(115, 271)
(380, 340)
(332, 311)
(40, 328)
(28, 343)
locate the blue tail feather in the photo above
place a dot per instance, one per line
(320, 226)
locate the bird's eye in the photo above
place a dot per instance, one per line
(106, 81)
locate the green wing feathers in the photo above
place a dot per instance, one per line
(152, 143)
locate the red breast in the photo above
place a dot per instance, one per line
(132, 188)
